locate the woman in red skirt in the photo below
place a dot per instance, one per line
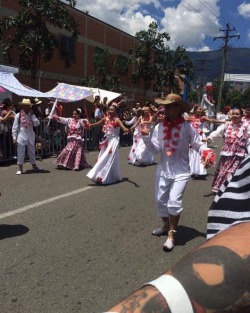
(235, 148)
(73, 155)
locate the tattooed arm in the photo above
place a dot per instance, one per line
(215, 277)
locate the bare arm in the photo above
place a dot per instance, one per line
(97, 123)
(215, 278)
(125, 129)
(213, 120)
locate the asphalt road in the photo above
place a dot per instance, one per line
(68, 245)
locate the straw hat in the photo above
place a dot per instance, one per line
(38, 101)
(173, 98)
(26, 102)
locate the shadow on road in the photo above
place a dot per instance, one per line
(8, 231)
(116, 183)
(35, 172)
(185, 234)
(130, 181)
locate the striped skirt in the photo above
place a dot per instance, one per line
(232, 202)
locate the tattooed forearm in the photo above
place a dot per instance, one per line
(133, 302)
(157, 304)
(215, 278)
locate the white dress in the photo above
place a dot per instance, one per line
(142, 155)
(107, 168)
(136, 137)
(196, 166)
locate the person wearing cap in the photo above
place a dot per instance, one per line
(24, 135)
(171, 138)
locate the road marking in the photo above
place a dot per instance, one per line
(40, 203)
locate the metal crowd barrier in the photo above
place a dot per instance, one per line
(51, 138)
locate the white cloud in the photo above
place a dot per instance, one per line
(244, 10)
(188, 22)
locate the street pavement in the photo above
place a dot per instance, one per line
(68, 245)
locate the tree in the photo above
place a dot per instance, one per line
(246, 97)
(72, 3)
(234, 98)
(225, 92)
(154, 62)
(175, 65)
(106, 68)
(30, 36)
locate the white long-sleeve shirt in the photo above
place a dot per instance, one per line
(23, 135)
(178, 163)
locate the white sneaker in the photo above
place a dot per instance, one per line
(19, 172)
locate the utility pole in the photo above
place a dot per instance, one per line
(226, 39)
(201, 77)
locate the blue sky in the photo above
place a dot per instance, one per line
(191, 23)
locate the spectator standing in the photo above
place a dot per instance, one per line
(48, 109)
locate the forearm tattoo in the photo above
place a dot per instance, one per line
(138, 303)
(216, 279)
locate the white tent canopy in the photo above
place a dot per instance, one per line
(63, 92)
(9, 82)
(245, 78)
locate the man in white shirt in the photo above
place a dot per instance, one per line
(172, 138)
(24, 135)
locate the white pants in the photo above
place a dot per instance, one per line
(21, 153)
(169, 193)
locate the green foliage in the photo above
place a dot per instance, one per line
(246, 98)
(192, 97)
(31, 38)
(106, 69)
(231, 96)
(155, 63)
(234, 98)
(90, 81)
(72, 3)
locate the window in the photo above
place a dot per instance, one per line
(68, 47)
(122, 65)
(99, 50)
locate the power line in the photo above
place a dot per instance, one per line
(200, 15)
(212, 10)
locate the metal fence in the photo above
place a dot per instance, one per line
(51, 138)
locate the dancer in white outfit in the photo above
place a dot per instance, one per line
(107, 169)
(142, 155)
(199, 121)
(24, 135)
(136, 135)
(171, 139)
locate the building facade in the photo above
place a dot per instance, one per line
(93, 36)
